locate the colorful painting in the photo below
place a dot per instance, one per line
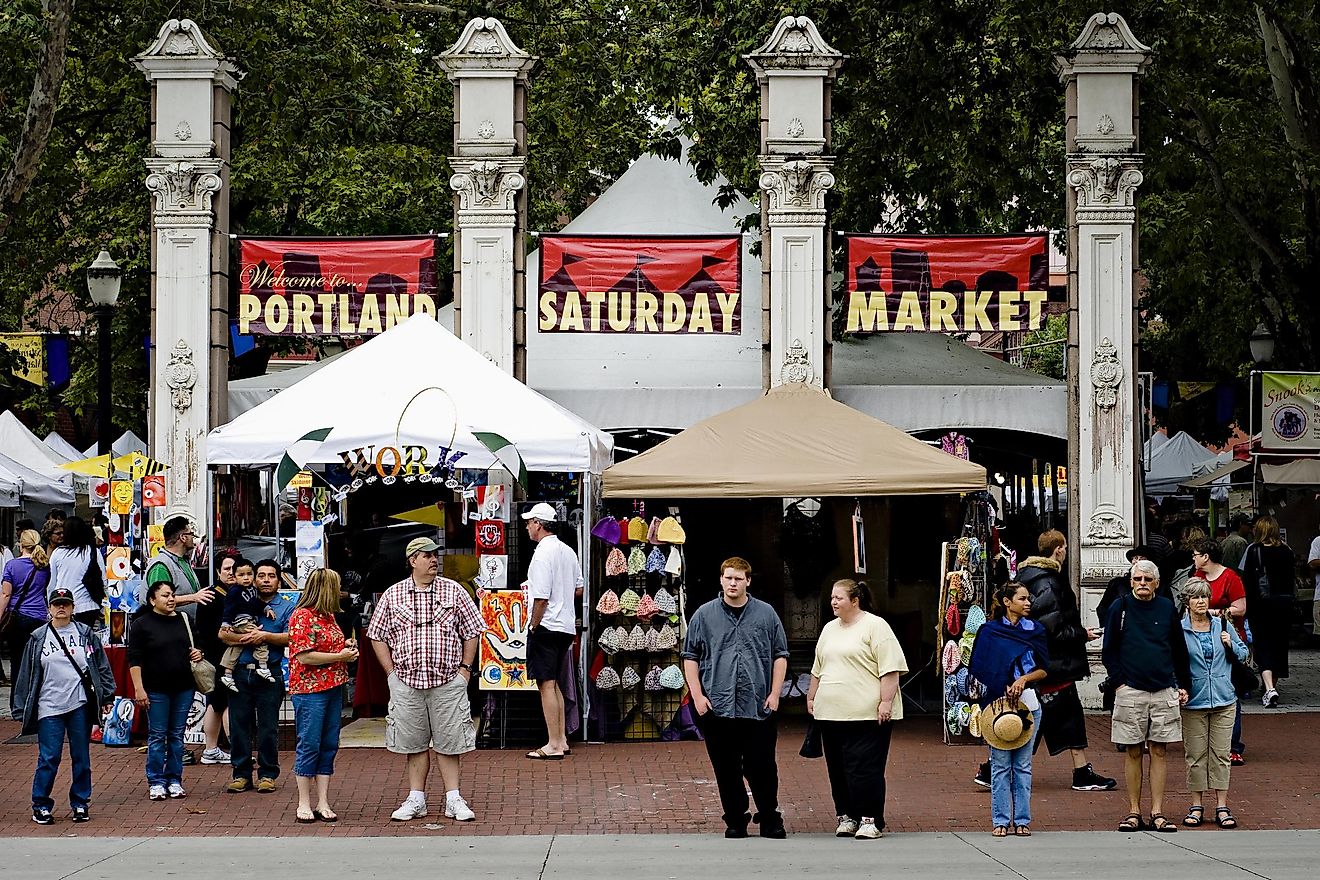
(121, 496)
(492, 573)
(502, 656)
(153, 490)
(118, 563)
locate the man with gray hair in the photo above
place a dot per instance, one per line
(1146, 656)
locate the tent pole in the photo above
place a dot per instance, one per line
(586, 497)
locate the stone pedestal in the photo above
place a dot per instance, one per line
(489, 73)
(796, 69)
(188, 176)
(1100, 72)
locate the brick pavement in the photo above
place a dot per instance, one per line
(659, 788)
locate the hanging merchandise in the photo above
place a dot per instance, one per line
(965, 569)
(653, 531)
(153, 491)
(630, 678)
(975, 619)
(624, 538)
(674, 564)
(609, 603)
(655, 561)
(859, 540)
(952, 622)
(671, 532)
(629, 602)
(646, 609)
(636, 561)
(121, 496)
(672, 677)
(616, 563)
(607, 679)
(637, 530)
(665, 601)
(807, 544)
(489, 534)
(607, 530)
(652, 680)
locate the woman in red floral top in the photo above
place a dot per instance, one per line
(318, 670)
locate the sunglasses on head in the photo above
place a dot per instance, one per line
(1143, 580)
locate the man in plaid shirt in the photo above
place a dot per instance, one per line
(424, 632)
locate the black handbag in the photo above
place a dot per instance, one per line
(17, 602)
(811, 745)
(1244, 677)
(1262, 576)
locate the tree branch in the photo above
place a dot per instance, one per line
(32, 140)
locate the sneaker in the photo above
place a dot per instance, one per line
(457, 808)
(1270, 699)
(157, 792)
(774, 830)
(263, 672)
(238, 785)
(847, 827)
(215, 756)
(228, 681)
(868, 830)
(1236, 759)
(266, 786)
(1086, 779)
(43, 816)
(735, 832)
(80, 814)
(189, 758)
(175, 790)
(982, 777)
(409, 809)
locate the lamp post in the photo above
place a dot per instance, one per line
(103, 278)
(1262, 344)
(1262, 352)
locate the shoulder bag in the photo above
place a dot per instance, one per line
(203, 670)
(17, 603)
(93, 581)
(1244, 677)
(1262, 576)
(83, 675)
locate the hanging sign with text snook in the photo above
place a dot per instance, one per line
(946, 284)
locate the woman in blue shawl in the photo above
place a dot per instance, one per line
(1008, 657)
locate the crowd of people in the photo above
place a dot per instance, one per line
(1172, 656)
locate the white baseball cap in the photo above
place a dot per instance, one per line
(542, 511)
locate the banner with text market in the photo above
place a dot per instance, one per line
(333, 286)
(640, 284)
(1290, 412)
(955, 284)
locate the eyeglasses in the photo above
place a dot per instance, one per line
(1143, 580)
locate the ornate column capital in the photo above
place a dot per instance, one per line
(487, 189)
(183, 189)
(796, 188)
(1106, 186)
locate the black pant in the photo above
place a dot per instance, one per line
(856, 753)
(20, 628)
(738, 748)
(1062, 722)
(254, 719)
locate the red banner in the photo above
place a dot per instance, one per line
(333, 286)
(955, 284)
(660, 284)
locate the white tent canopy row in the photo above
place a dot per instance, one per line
(62, 447)
(128, 442)
(1175, 462)
(414, 385)
(21, 484)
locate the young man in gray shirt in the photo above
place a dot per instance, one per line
(735, 660)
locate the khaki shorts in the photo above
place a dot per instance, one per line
(439, 718)
(1146, 716)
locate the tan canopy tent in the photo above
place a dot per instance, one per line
(793, 441)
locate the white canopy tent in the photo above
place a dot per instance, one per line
(34, 487)
(246, 394)
(1175, 462)
(24, 447)
(127, 442)
(415, 384)
(62, 447)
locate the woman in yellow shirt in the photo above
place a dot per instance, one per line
(855, 701)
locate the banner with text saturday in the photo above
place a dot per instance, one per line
(333, 286)
(640, 284)
(946, 284)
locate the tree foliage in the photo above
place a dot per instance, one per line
(946, 118)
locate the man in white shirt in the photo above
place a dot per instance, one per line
(554, 579)
(1313, 565)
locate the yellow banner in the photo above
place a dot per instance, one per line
(29, 348)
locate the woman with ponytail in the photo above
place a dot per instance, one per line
(23, 595)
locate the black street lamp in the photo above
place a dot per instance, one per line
(103, 278)
(1262, 344)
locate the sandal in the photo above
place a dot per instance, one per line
(1194, 814)
(1022, 831)
(1224, 818)
(542, 755)
(304, 820)
(999, 831)
(327, 816)
(1131, 822)
(1161, 824)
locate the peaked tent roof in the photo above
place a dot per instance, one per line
(127, 442)
(62, 447)
(1175, 463)
(24, 447)
(363, 396)
(793, 441)
(33, 485)
(245, 394)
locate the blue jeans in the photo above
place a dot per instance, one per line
(254, 719)
(1237, 744)
(1010, 781)
(316, 717)
(167, 716)
(51, 733)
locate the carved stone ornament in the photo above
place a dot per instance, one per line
(1105, 125)
(797, 364)
(795, 43)
(181, 376)
(1106, 375)
(1105, 181)
(1107, 526)
(183, 187)
(1108, 32)
(180, 38)
(487, 185)
(486, 130)
(484, 44)
(795, 128)
(183, 131)
(796, 186)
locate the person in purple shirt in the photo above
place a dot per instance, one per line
(23, 595)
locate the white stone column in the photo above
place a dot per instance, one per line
(490, 74)
(188, 175)
(796, 69)
(1100, 72)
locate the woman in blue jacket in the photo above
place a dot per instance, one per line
(1211, 704)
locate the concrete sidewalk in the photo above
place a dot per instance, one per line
(1277, 855)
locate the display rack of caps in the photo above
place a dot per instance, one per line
(961, 618)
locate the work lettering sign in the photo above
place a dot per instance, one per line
(650, 284)
(953, 284)
(333, 286)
